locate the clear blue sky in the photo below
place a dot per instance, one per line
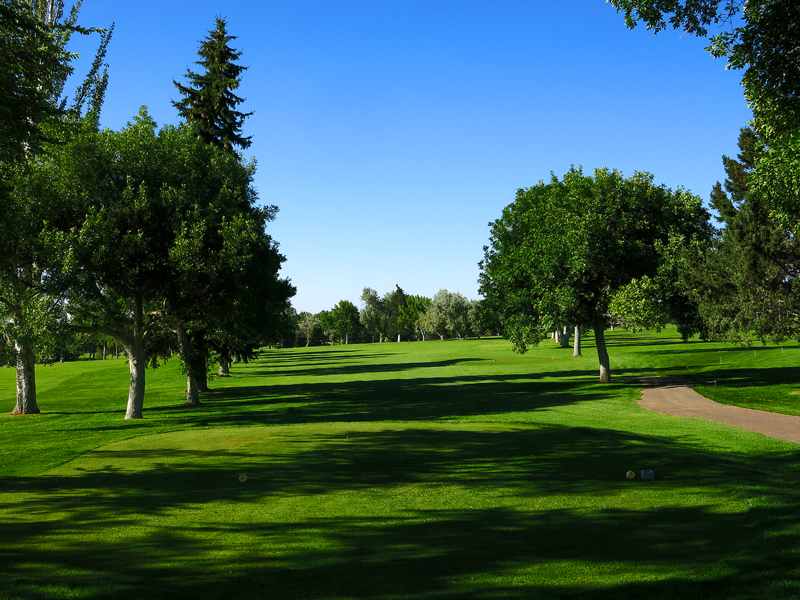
(390, 132)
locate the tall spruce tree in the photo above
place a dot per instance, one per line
(746, 283)
(232, 320)
(209, 101)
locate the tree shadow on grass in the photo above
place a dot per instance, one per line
(613, 342)
(752, 376)
(396, 399)
(404, 532)
(713, 351)
(360, 369)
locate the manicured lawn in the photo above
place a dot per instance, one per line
(399, 471)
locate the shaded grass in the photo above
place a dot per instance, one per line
(435, 470)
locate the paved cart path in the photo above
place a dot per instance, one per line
(674, 396)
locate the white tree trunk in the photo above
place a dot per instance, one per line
(136, 365)
(563, 336)
(26, 378)
(576, 346)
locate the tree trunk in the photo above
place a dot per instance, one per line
(199, 349)
(564, 336)
(224, 367)
(202, 379)
(602, 354)
(26, 378)
(576, 346)
(188, 352)
(398, 337)
(136, 364)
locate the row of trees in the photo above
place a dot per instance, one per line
(394, 316)
(152, 237)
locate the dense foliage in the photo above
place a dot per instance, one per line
(564, 250)
(209, 102)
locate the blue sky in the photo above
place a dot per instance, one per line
(389, 133)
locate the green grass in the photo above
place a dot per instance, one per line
(399, 471)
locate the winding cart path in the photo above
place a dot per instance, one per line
(674, 396)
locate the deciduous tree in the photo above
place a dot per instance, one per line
(564, 249)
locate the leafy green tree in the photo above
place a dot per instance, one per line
(309, 327)
(374, 316)
(434, 319)
(37, 132)
(475, 318)
(398, 320)
(209, 101)
(186, 229)
(416, 306)
(345, 319)
(564, 249)
(450, 314)
(328, 325)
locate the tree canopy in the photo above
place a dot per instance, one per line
(563, 250)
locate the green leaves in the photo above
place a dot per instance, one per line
(586, 249)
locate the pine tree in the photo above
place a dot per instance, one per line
(747, 283)
(209, 101)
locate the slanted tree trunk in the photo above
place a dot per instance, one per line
(576, 346)
(136, 365)
(602, 353)
(26, 378)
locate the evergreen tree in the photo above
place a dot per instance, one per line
(747, 282)
(209, 106)
(209, 102)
